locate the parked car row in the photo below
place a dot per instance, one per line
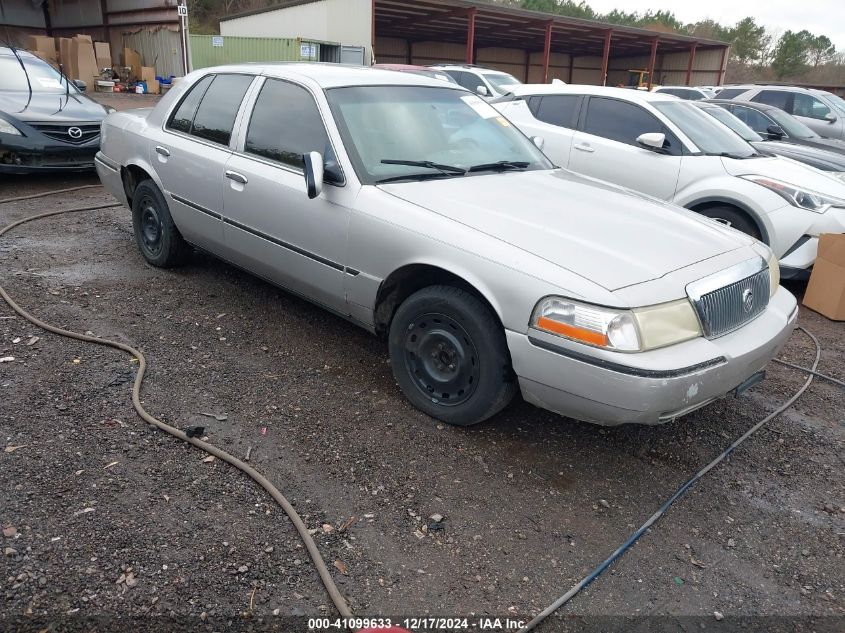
(419, 211)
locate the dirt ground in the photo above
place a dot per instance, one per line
(105, 518)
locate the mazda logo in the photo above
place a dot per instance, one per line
(747, 300)
(74, 132)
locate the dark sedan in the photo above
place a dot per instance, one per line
(46, 123)
(814, 157)
(775, 124)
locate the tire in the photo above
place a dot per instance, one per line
(157, 237)
(450, 357)
(734, 218)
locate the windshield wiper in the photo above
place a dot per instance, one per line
(423, 176)
(730, 155)
(447, 169)
(501, 165)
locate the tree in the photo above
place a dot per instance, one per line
(790, 53)
(561, 7)
(820, 50)
(748, 41)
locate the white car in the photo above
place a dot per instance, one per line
(671, 150)
(685, 92)
(820, 110)
(485, 82)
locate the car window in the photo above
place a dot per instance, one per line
(683, 94)
(286, 124)
(216, 114)
(624, 122)
(808, 106)
(730, 93)
(777, 98)
(467, 80)
(501, 81)
(183, 116)
(560, 110)
(754, 119)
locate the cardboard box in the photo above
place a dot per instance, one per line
(148, 75)
(102, 51)
(132, 59)
(82, 50)
(66, 57)
(826, 291)
(43, 46)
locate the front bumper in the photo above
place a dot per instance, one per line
(27, 155)
(795, 234)
(667, 383)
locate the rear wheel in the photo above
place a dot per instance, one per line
(450, 357)
(734, 218)
(157, 237)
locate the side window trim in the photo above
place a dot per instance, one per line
(169, 119)
(239, 149)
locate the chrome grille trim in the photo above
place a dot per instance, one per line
(59, 131)
(721, 299)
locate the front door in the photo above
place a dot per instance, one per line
(607, 148)
(270, 225)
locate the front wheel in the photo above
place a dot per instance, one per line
(733, 218)
(450, 357)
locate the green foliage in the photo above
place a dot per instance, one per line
(561, 7)
(791, 53)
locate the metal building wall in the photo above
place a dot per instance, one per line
(559, 67)
(248, 49)
(670, 68)
(161, 48)
(348, 22)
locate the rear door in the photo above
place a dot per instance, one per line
(271, 227)
(606, 147)
(814, 113)
(553, 118)
(190, 156)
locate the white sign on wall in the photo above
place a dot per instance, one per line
(217, 41)
(307, 51)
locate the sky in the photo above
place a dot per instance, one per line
(820, 17)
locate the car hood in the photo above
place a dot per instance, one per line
(813, 156)
(611, 236)
(50, 106)
(786, 171)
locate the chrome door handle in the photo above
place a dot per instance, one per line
(585, 148)
(233, 175)
(162, 150)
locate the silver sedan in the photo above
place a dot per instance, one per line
(414, 209)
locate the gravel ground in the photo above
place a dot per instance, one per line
(105, 518)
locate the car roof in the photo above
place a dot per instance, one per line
(627, 94)
(764, 107)
(331, 75)
(465, 67)
(768, 87)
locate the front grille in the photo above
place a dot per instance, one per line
(730, 307)
(59, 131)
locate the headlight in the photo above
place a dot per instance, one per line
(634, 330)
(8, 128)
(798, 196)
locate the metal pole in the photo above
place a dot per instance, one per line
(547, 52)
(471, 35)
(691, 61)
(722, 66)
(605, 56)
(651, 62)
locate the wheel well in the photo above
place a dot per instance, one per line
(132, 176)
(405, 281)
(702, 206)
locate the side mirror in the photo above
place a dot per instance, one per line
(313, 166)
(539, 141)
(81, 85)
(482, 90)
(830, 117)
(775, 131)
(652, 141)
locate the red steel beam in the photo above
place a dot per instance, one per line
(471, 35)
(547, 52)
(605, 56)
(652, 60)
(722, 66)
(691, 61)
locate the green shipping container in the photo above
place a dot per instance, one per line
(215, 50)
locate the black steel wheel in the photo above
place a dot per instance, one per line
(156, 234)
(450, 357)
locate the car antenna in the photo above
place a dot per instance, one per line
(18, 57)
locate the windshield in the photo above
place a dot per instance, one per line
(42, 76)
(500, 81)
(443, 131)
(709, 135)
(725, 117)
(433, 74)
(836, 100)
(790, 125)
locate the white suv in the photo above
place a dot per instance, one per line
(821, 111)
(669, 149)
(485, 82)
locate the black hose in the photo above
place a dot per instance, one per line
(557, 604)
(818, 374)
